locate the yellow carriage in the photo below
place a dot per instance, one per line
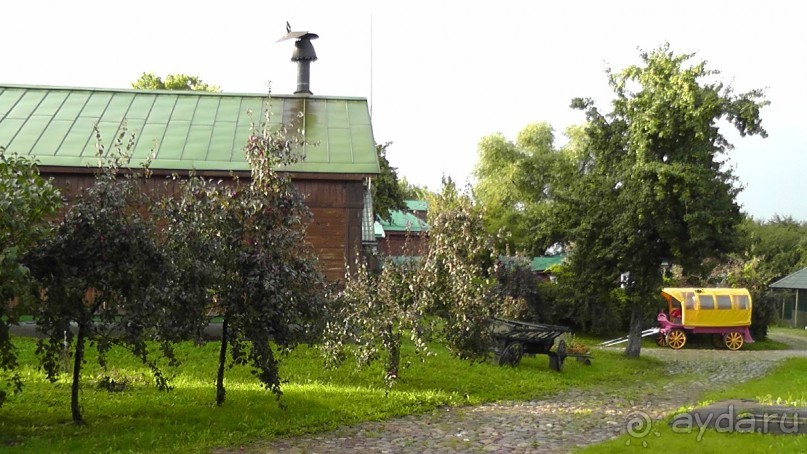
(725, 313)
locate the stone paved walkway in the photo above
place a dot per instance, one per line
(568, 420)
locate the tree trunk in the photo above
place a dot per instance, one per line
(222, 360)
(394, 360)
(74, 406)
(635, 334)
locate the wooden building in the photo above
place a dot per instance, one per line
(206, 132)
(406, 232)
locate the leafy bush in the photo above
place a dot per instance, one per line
(763, 313)
(516, 288)
(26, 200)
(374, 312)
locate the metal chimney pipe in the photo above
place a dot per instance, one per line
(303, 54)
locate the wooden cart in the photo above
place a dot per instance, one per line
(512, 339)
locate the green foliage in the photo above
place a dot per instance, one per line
(450, 198)
(651, 185)
(780, 243)
(456, 272)
(151, 81)
(517, 287)
(102, 271)
(243, 244)
(192, 221)
(374, 312)
(599, 311)
(387, 193)
(514, 185)
(771, 250)
(448, 293)
(26, 200)
(410, 191)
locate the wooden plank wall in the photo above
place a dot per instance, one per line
(335, 231)
(336, 206)
(397, 244)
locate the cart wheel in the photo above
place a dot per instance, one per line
(717, 341)
(512, 354)
(733, 340)
(561, 351)
(676, 339)
(555, 362)
(661, 340)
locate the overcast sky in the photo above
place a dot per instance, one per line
(439, 75)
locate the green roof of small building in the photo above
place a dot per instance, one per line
(400, 221)
(416, 205)
(378, 230)
(797, 281)
(546, 262)
(184, 129)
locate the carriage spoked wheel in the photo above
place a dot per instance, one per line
(661, 340)
(733, 340)
(676, 339)
(512, 354)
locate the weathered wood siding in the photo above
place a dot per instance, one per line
(335, 231)
(336, 206)
(397, 244)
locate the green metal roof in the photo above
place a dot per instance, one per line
(797, 280)
(378, 230)
(400, 221)
(416, 205)
(185, 129)
(544, 263)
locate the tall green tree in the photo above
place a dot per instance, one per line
(26, 201)
(652, 185)
(514, 181)
(386, 188)
(151, 81)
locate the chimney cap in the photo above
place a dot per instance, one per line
(296, 35)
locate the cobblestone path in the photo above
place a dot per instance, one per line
(568, 420)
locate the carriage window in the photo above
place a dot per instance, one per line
(707, 301)
(723, 302)
(689, 300)
(742, 302)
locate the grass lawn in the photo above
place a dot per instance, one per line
(789, 331)
(142, 419)
(787, 385)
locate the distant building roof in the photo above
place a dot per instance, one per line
(417, 205)
(185, 129)
(378, 230)
(400, 221)
(546, 262)
(797, 281)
